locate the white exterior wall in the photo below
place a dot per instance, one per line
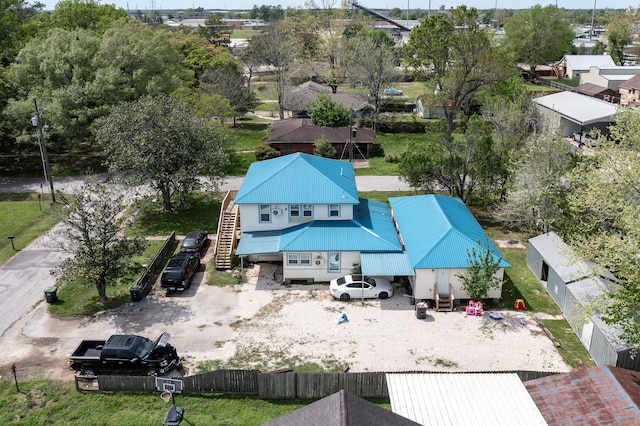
(320, 272)
(250, 216)
(425, 282)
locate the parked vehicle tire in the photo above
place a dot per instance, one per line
(88, 371)
(152, 372)
(345, 297)
(383, 295)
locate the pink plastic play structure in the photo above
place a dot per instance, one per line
(474, 308)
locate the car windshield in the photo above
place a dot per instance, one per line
(143, 347)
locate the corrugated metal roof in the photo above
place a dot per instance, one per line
(564, 260)
(580, 109)
(299, 178)
(371, 230)
(463, 399)
(396, 264)
(438, 232)
(589, 396)
(584, 62)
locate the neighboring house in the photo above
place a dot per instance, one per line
(588, 396)
(577, 113)
(298, 99)
(438, 233)
(609, 77)
(599, 92)
(341, 409)
(573, 284)
(427, 110)
(630, 91)
(300, 134)
(575, 65)
(304, 212)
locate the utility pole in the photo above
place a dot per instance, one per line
(352, 133)
(37, 123)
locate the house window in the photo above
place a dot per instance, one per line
(295, 259)
(334, 210)
(294, 213)
(265, 213)
(287, 149)
(334, 262)
(307, 212)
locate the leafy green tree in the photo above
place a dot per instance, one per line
(396, 13)
(480, 275)
(538, 35)
(158, 141)
(536, 199)
(87, 14)
(326, 112)
(198, 54)
(619, 32)
(228, 81)
(215, 31)
(93, 234)
(14, 18)
(203, 104)
(323, 148)
(457, 59)
(459, 165)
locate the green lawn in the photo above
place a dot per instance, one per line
(25, 218)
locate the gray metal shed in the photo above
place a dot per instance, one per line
(573, 283)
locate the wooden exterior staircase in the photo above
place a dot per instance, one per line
(227, 237)
(444, 301)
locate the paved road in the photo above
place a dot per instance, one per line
(25, 276)
(64, 184)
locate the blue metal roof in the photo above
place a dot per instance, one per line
(438, 232)
(371, 230)
(299, 178)
(396, 264)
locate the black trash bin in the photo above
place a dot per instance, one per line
(51, 294)
(136, 293)
(421, 310)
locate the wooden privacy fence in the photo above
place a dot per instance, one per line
(269, 385)
(147, 280)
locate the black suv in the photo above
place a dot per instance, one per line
(179, 271)
(194, 242)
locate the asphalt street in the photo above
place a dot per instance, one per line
(25, 276)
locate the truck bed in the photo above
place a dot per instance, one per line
(88, 349)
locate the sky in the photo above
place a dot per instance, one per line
(373, 4)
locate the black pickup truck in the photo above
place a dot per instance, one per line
(125, 354)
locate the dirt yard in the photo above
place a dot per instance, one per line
(262, 324)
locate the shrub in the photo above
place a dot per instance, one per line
(265, 152)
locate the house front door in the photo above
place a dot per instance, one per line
(442, 280)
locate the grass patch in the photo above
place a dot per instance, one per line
(46, 402)
(571, 349)
(81, 299)
(573, 82)
(246, 136)
(25, 218)
(201, 211)
(219, 278)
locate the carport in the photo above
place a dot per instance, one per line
(395, 266)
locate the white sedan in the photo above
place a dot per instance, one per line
(359, 286)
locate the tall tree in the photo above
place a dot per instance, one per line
(160, 142)
(480, 275)
(215, 31)
(14, 17)
(228, 80)
(86, 14)
(325, 112)
(459, 164)
(457, 59)
(538, 35)
(619, 32)
(277, 47)
(372, 62)
(536, 198)
(93, 234)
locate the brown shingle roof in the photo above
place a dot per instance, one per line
(603, 395)
(632, 83)
(302, 130)
(342, 409)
